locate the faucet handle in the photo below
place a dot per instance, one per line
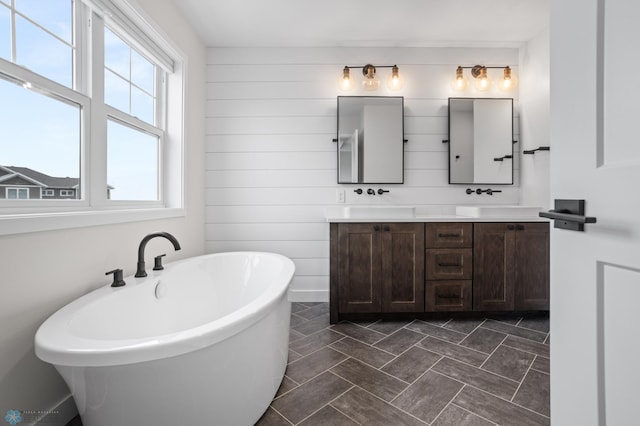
(157, 263)
(117, 278)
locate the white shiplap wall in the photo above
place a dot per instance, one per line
(271, 163)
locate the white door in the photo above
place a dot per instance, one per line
(595, 156)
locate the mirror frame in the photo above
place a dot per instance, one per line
(337, 140)
(450, 143)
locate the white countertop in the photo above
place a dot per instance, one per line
(382, 213)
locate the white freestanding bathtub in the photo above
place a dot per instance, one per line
(204, 342)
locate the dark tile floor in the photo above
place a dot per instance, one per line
(456, 372)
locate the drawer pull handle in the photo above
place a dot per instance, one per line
(449, 235)
(444, 264)
(448, 296)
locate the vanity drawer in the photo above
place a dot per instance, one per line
(448, 296)
(449, 235)
(449, 264)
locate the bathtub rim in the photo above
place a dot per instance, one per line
(56, 345)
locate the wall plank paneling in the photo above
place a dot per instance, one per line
(270, 161)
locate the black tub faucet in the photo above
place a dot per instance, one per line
(140, 272)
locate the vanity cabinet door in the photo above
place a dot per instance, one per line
(511, 267)
(532, 266)
(359, 268)
(494, 267)
(402, 249)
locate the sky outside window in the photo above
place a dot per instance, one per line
(132, 163)
(38, 132)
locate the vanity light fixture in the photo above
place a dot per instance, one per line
(482, 80)
(370, 80)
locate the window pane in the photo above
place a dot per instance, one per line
(132, 163)
(142, 72)
(117, 54)
(40, 138)
(130, 79)
(54, 15)
(5, 33)
(116, 91)
(141, 105)
(43, 53)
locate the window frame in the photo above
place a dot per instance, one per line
(94, 207)
(18, 191)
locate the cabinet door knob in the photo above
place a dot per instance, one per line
(376, 227)
(511, 227)
(520, 227)
(386, 228)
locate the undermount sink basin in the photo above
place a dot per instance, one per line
(498, 211)
(379, 212)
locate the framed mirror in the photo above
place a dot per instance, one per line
(481, 141)
(370, 139)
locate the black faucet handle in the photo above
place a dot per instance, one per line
(157, 263)
(117, 278)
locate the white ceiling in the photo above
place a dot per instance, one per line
(379, 23)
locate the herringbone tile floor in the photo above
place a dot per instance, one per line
(457, 372)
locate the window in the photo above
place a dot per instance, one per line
(97, 108)
(17, 193)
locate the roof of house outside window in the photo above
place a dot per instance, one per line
(37, 178)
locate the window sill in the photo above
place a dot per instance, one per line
(37, 222)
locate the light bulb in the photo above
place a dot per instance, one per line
(395, 82)
(460, 82)
(370, 81)
(345, 83)
(509, 81)
(483, 82)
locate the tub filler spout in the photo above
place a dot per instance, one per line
(140, 272)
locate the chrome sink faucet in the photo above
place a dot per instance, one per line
(140, 272)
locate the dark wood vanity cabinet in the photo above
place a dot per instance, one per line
(378, 267)
(511, 266)
(412, 268)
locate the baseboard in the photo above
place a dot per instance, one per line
(61, 414)
(308, 295)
